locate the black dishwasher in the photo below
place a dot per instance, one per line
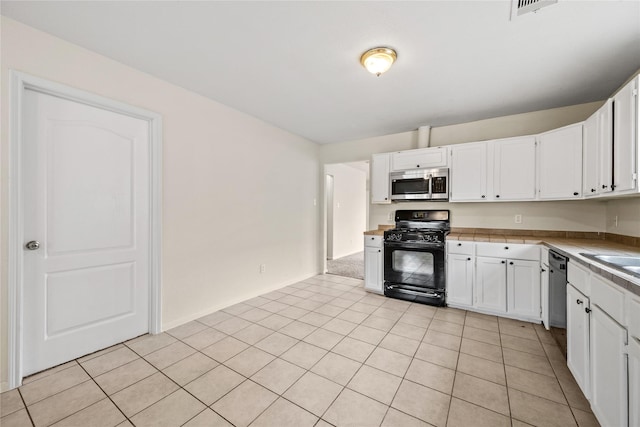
(557, 290)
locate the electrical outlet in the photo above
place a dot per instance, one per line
(615, 220)
(518, 219)
(263, 268)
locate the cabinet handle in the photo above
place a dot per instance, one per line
(378, 250)
(503, 262)
(417, 166)
(468, 259)
(497, 196)
(511, 263)
(506, 248)
(483, 196)
(593, 190)
(578, 301)
(604, 186)
(385, 198)
(459, 244)
(587, 310)
(542, 270)
(575, 193)
(373, 238)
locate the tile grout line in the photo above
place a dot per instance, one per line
(26, 407)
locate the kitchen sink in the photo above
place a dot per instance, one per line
(626, 264)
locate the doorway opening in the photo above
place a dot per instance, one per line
(347, 211)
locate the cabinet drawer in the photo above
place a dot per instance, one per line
(459, 247)
(608, 298)
(373, 241)
(579, 277)
(633, 316)
(509, 250)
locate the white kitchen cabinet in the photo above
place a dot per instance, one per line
(559, 163)
(379, 178)
(523, 288)
(460, 279)
(421, 158)
(468, 172)
(373, 264)
(609, 392)
(634, 381)
(514, 171)
(625, 131)
(491, 284)
(597, 156)
(578, 338)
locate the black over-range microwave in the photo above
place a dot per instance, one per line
(420, 184)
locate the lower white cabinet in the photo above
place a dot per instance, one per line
(578, 309)
(460, 279)
(500, 279)
(634, 381)
(491, 284)
(373, 264)
(609, 378)
(523, 288)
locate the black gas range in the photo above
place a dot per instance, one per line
(414, 256)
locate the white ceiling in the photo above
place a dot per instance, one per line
(296, 64)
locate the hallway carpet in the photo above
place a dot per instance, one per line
(348, 266)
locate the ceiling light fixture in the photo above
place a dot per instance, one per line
(378, 60)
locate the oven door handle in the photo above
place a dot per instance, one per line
(419, 246)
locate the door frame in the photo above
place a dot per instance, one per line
(19, 83)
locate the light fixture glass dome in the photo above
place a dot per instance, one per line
(378, 60)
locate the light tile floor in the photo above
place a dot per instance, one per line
(320, 352)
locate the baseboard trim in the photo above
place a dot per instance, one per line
(199, 314)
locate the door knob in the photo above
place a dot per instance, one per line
(32, 245)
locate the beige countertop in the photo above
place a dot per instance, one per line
(379, 231)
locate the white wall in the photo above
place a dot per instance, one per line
(237, 192)
(628, 213)
(349, 208)
(569, 215)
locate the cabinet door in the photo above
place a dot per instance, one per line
(560, 163)
(605, 147)
(634, 381)
(491, 284)
(460, 279)
(469, 172)
(514, 173)
(379, 178)
(578, 338)
(609, 391)
(373, 279)
(423, 158)
(625, 122)
(590, 156)
(523, 288)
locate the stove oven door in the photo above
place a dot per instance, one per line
(415, 271)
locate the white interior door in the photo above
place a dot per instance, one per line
(85, 198)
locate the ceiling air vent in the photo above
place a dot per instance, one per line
(520, 7)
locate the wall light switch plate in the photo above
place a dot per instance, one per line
(518, 219)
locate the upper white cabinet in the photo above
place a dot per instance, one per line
(514, 170)
(468, 172)
(503, 169)
(422, 158)
(379, 178)
(560, 163)
(625, 131)
(597, 154)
